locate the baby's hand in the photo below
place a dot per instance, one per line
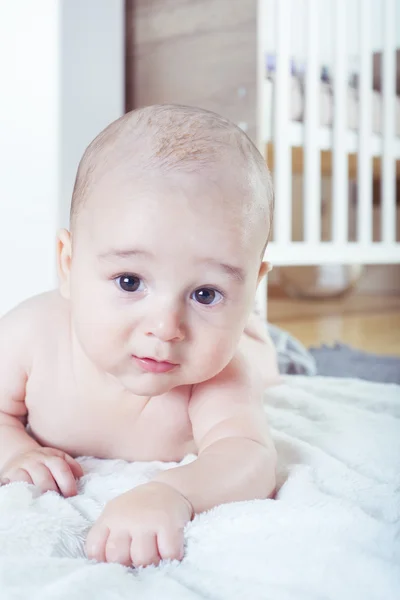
(47, 468)
(141, 527)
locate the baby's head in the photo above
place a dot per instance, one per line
(170, 216)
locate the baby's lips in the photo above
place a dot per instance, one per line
(4, 481)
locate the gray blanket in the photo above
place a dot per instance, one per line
(342, 361)
(338, 360)
(293, 358)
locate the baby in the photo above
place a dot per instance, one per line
(149, 350)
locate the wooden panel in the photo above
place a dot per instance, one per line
(369, 323)
(196, 52)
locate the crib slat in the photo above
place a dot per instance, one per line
(312, 155)
(340, 177)
(282, 166)
(388, 107)
(264, 120)
(364, 171)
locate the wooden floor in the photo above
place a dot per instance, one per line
(370, 323)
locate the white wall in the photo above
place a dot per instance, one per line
(326, 36)
(29, 161)
(62, 81)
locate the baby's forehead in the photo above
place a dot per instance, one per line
(196, 212)
(207, 190)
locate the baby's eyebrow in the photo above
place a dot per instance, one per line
(234, 272)
(114, 253)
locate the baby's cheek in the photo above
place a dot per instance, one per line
(100, 338)
(216, 354)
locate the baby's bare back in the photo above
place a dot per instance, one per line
(79, 411)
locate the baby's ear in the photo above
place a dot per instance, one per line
(64, 252)
(265, 268)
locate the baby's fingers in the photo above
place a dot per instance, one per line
(96, 542)
(74, 465)
(17, 475)
(170, 543)
(42, 477)
(144, 550)
(118, 548)
(62, 475)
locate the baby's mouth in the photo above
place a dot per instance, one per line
(151, 365)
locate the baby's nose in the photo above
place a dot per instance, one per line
(167, 326)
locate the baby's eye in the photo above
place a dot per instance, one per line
(207, 296)
(128, 283)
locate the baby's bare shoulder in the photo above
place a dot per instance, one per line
(24, 325)
(22, 330)
(32, 310)
(47, 307)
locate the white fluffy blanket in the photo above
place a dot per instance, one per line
(333, 532)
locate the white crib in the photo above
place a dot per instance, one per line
(301, 141)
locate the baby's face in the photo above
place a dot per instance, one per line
(161, 270)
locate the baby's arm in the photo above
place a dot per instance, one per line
(15, 348)
(237, 458)
(21, 457)
(236, 462)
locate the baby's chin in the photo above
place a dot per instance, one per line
(157, 384)
(149, 384)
